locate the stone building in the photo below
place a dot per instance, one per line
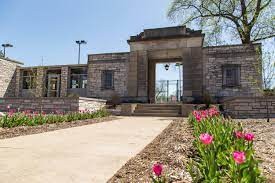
(222, 71)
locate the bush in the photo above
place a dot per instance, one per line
(115, 100)
(225, 151)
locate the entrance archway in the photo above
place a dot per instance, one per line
(167, 88)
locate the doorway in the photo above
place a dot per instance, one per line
(53, 85)
(169, 82)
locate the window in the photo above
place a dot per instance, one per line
(107, 79)
(78, 78)
(231, 75)
(29, 79)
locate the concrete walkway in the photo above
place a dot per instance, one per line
(91, 153)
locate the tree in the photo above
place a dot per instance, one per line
(250, 20)
(1, 54)
(268, 70)
(160, 90)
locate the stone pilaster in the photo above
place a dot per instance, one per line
(64, 81)
(132, 74)
(142, 74)
(40, 82)
(18, 82)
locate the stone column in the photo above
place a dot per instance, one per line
(143, 75)
(152, 80)
(40, 82)
(64, 81)
(187, 74)
(18, 82)
(132, 74)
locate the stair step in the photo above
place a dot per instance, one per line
(158, 114)
(157, 111)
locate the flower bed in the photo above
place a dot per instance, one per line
(28, 118)
(225, 151)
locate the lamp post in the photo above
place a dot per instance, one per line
(166, 67)
(80, 42)
(7, 45)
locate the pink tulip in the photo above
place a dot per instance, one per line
(249, 136)
(239, 157)
(157, 169)
(206, 138)
(239, 134)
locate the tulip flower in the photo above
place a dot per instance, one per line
(249, 136)
(239, 157)
(157, 169)
(206, 138)
(239, 134)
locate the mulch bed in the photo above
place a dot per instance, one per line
(264, 144)
(28, 130)
(172, 148)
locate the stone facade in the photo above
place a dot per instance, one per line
(165, 45)
(64, 81)
(49, 104)
(245, 56)
(134, 72)
(8, 77)
(250, 107)
(116, 62)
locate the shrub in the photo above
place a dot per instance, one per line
(225, 151)
(115, 100)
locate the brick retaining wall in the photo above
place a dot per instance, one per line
(250, 107)
(48, 105)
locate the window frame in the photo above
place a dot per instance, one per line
(103, 80)
(237, 82)
(31, 75)
(79, 78)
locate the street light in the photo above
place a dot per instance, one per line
(80, 42)
(7, 45)
(166, 67)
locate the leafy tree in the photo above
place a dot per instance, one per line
(249, 20)
(1, 54)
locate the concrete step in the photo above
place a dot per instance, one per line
(161, 110)
(157, 111)
(157, 114)
(159, 105)
(155, 107)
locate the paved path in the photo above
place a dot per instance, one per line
(91, 153)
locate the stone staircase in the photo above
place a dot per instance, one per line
(161, 110)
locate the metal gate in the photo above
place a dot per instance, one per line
(168, 91)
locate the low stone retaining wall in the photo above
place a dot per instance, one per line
(91, 104)
(49, 105)
(250, 107)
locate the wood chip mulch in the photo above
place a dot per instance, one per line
(172, 148)
(28, 130)
(264, 144)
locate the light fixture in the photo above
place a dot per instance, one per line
(6, 46)
(166, 67)
(80, 42)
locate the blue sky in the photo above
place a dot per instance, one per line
(49, 28)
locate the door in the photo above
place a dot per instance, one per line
(53, 85)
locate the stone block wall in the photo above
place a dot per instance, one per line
(7, 78)
(117, 62)
(50, 104)
(250, 107)
(91, 104)
(47, 105)
(244, 55)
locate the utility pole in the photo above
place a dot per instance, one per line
(7, 45)
(80, 42)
